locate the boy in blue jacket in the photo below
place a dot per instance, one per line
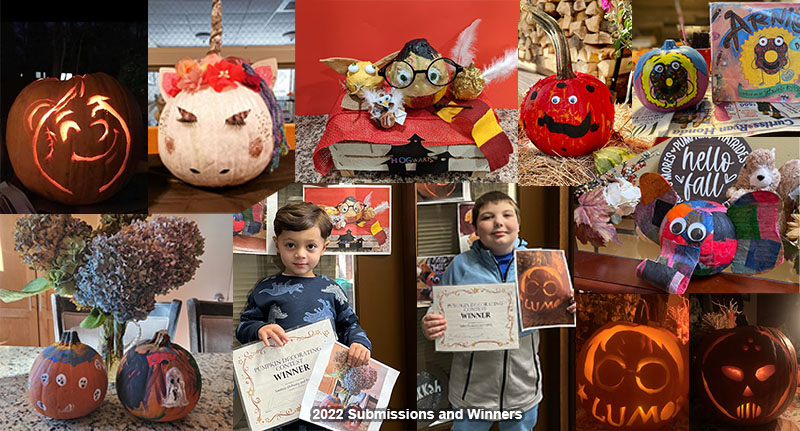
(498, 380)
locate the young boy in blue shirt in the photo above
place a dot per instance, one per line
(498, 380)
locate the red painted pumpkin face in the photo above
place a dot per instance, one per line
(748, 375)
(74, 141)
(158, 380)
(632, 377)
(68, 379)
(568, 117)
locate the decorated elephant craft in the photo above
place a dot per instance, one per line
(703, 238)
(567, 114)
(158, 380)
(633, 377)
(76, 141)
(671, 77)
(222, 125)
(746, 375)
(68, 379)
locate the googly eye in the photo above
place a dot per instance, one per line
(96, 394)
(83, 382)
(61, 380)
(675, 65)
(677, 226)
(659, 68)
(778, 41)
(572, 100)
(434, 76)
(45, 379)
(99, 365)
(370, 69)
(763, 41)
(353, 68)
(555, 100)
(697, 232)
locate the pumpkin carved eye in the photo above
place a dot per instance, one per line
(186, 116)
(237, 119)
(765, 372)
(733, 373)
(763, 41)
(353, 68)
(610, 372)
(652, 375)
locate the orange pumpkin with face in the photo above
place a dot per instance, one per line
(68, 379)
(632, 377)
(75, 141)
(747, 375)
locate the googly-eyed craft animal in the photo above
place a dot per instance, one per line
(670, 78)
(703, 238)
(359, 75)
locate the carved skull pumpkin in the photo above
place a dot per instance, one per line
(671, 77)
(158, 380)
(748, 374)
(632, 377)
(68, 379)
(76, 141)
(566, 114)
(214, 138)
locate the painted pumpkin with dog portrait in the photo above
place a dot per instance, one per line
(747, 375)
(633, 377)
(670, 78)
(158, 380)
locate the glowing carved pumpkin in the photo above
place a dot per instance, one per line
(542, 289)
(566, 114)
(68, 379)
(671, 77)
(211, 138)
(158, 380)
(632, 377)
(748, 374)
(75, 141)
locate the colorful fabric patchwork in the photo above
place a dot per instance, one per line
(657, 199)
(755, 216)
(248, 222)
(672, 270)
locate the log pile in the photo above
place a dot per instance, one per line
(588, 35)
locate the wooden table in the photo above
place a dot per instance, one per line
(214, 410)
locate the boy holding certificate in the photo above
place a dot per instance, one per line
(297, 297)
(498, 380)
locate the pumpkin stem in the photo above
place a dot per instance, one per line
(215, 40)
(161, 339)
(69, 338)
(553, 30)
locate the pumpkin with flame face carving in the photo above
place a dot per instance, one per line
(632, 377)
(747, 375)
(77, 141)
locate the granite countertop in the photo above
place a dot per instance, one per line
(214, 410)
(311, 127)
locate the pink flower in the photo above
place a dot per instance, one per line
(171, 84)
(191, 80)
(222, 75)
(607, 5)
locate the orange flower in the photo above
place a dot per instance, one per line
(185, 66)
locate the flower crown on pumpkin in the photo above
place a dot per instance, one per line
(216, 72)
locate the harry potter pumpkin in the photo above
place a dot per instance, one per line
(748, 374)
(566, 114)
(158, 380)
(543, 289)
(632, 377)
(418, 57)
(68, 379)
(671, 77)
(75, 141)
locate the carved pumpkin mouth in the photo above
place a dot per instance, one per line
(748, 411)
(79, 158)
(619, 416)
(541, 305)
(570, 130)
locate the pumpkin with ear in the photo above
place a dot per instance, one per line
(158, 380)
(76, 141)
(68, 379)
(632, 377)
(566, 114)
(747, 375)
(671, 77)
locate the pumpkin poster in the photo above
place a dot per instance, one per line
(434, 193)
(544, 288)
(361, 217)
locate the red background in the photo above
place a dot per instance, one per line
(369, 30)
(332, 196)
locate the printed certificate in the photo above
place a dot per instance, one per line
(479, 317)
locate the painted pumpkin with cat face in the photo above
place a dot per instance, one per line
(670, 78)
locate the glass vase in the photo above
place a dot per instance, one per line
(111, 345)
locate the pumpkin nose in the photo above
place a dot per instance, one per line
(747, 392)
(669, 82)
(771, 55)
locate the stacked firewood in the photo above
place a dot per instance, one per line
(588, 35)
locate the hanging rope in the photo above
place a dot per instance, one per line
(215, 41)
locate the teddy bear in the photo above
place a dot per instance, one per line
(789, 190)
(757, 173)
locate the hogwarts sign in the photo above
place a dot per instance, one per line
(703, 168)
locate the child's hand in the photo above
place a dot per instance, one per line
(358, 355)
(572, 307)
(433, 325)
(273, 331)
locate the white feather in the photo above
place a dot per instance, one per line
(501, 68)
(463, 52)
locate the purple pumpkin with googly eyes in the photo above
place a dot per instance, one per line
(670, 78)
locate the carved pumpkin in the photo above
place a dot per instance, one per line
(215, 137)
(632, 377)
(671, 77)
(748, 374)
(75, 141)
(158, 380)
(542, 289)
(566, 114)
(68, 379)
(436, 190)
